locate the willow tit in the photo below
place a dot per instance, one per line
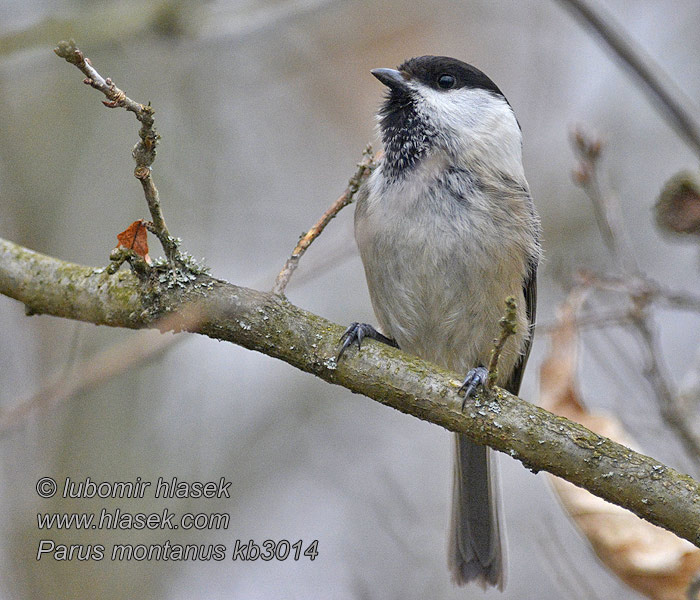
(447, 230)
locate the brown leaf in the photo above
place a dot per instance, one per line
(135, 238)
(649, 559)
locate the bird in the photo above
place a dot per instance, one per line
(447, 230)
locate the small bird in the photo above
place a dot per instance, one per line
(447, 230)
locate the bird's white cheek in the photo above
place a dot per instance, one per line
(455, 109)
(482, 127)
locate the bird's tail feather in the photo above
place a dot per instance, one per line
(476, 552)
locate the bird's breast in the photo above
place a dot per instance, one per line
(439, 266)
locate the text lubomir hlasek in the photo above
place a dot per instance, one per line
(164, 488)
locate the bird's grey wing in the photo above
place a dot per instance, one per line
(530, 292)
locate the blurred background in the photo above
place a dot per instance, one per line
(264, 108)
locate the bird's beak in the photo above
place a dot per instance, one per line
(390, 78)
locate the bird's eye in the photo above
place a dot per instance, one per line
(446, 81)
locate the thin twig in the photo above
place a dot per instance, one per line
(605, 208)
(642, 287)
(364, 168)
(671, 410)
(672, 101)
(144, 151)
(595, 320)
(679, 300)
(643, 293)
(508, 325)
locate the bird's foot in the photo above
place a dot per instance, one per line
(475, 377)
(358, 332)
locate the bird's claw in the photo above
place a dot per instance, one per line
(358, 332)
(353, 334)
(475, 377)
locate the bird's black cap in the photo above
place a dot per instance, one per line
(429, 69)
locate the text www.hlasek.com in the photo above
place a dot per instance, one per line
(117, 519)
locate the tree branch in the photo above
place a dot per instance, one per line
(268, 323)
(673, 103)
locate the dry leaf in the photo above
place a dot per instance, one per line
(648, 558)
(135, 238)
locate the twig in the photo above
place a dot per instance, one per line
(671, 410)
(606, 210)
(643, 293)
(364, 168)
(593, 320)
(672, 101)
(144, 151)
(642, 287)
(680, 300)
(233, 23)
(508, 325)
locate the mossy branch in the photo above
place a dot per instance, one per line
(268, 323)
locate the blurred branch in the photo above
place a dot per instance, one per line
(106, 23)
(641, 291)
(267, 323)
(605, 208)
(144, 151)
(622, 316)
(111, 23)
(614, 317)
(674, 104)
(642, 287)
(672, 411)
(85, 376)
(231, 22)
(364, 168)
